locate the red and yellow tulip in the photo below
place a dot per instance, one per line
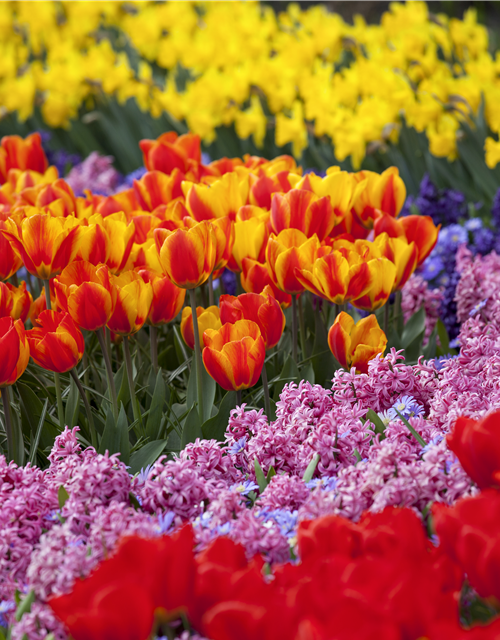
(21, 153)
(171, 151)
(354, 345)
(56, 344)
(167, 298)
(383, 278)
(303, 210)
(14, 350)
(287, 254)
(15, 301)
(234, 355)
(376, 194)
(133, 302)
(208, 318)
(255, 277)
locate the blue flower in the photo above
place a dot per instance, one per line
(439, 362)
(473, 224)
(329, 483)
(224, 529)
(477, 308)
(238, 446)
(143, 474)
(431, 268)
(165, 521)
(246, 487)
(286, 520)
(431, 444)
(5, 607)
(407, 406)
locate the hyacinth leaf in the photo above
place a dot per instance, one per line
(416, 435)
(192, 427)
(209, 387)
(311, 468)
(413, 328)
(25, 605)
(215, 428)
(322, 360)
(358, 455)
(393, 339)
(72, 405)
(259, 476)
(146, 455)
(376, 421)
(270, 474)
(156, 408)
(62, 496)
(289, 373)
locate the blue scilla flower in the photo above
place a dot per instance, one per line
(450, 238)
(245, 487)
(286, 520)
(165, 521)
(238, 446)
(432, 268)
(475, 310)
(473, 224)
(439, 362)
(435, 441)
(406, 406)
(143, 474)
(5, 607)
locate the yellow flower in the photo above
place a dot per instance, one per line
(492, 150)
(292, 129)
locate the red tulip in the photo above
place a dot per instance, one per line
(15, 301)
(167, 298)
(303, 210)
(14, 350)
(16, 153)
(171, 151)
(255, 277)
(56, 344)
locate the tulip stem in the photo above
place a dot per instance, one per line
(153, 338)
(57, 377)
(15, 280)
(130, 376)
(211, 297)
(93, 433)
(197, 353)
(265, 385)
(386, 317)
(109, 372)
(398, 311)
(238, 398)
(302, 327)
(8, 424)
(294, 327)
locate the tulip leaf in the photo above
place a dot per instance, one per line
(429, 351)
(72, 405)
(192, 427)
(216, 427)
(289, 373)
(174, 441)
(146, 455)
(209, 387)
(62, 496)
(311, 468)
(376, 421)
(115, 438)
(31, 411)
(121, 384)
(307, 373)
(36, 439)
(270, 474)
(156, 407)
(413, 328)
(259, 476)
(322, 360)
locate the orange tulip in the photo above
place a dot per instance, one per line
(337, 278)
(46, 244)
(58, 197)
(87, 294)
(56, 344)
(208, 318)
(234, 355)
(133, 302)
(15, 301)
(264, 310)
(255, 277)
(167, 298)
(402, 254)
(14, 350)
(16, 153)
(287, 254)
(187, 256)
(376, 194)
(303, 210)
(354, 345)
(383, 277)
(171, 151)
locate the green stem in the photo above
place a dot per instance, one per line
(86, 377)
(11, 447)
(130, 376)
(337, 310)
(398, 317)
(211, 297)
(294, 327)
(265, 385)
(197, 353)
(109, 372)
(302, 327)
(15, 280)
(57, 377)
(93, 433)
(153, 338)
(107, 334)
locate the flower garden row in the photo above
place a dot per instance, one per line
(239, 517)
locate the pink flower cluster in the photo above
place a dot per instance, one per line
(478, 290)
(45, 547)
(416, 294)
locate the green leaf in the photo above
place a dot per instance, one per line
(311, 468)
(146, 455)
(174, 441)
(416, 435)
(413, 328)
(358, 455)
(215, 427)
(307, 373)
(289, 373)
(270, 474)
(322, 360)
(72, 405)
(192, 427)
(259, 475)
(115, 438)
(121, 383)
(156, 408)
(25, 605)
(208, 386)
(444, 338)
(429, 351)
(134, 502)
(62, 496)
(376, 421)
(393, 339)
(36, 439)
(31, 410)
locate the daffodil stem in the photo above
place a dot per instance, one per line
(302, 327)
(211, 297)
(109, 372)
(386, 317)
(57, 377)
(265, 386)
(294, 327)
(93, 433)
(8, 424)
(197, 353)
(153, 338)
(130, 376)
